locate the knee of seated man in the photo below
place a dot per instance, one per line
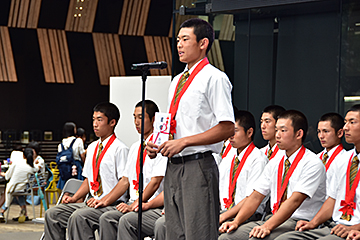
(51, 213)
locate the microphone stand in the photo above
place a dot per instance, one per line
(144, 76)
(145, 69)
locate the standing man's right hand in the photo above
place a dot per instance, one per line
(151, 149)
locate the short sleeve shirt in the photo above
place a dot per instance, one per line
(206, 102)
(152, 168)
(112, 165)
(251, 171)
(337, 189)
(308, 178)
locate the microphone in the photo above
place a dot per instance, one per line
(146, 66)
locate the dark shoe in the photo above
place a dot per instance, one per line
(17, 218)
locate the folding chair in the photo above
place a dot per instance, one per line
(71, 186)
(28, 191)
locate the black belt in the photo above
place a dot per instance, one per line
(195, 156)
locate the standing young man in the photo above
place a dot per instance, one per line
(202, 117)
(330, 132)
(343, 202)
(295, 181)
(267, 125)
(104, 165)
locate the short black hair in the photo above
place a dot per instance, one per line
(298, 121)
(354, 108)
(274, 110)
(150, 107)
(35, 145)
(335, 119)
(80, 132)
(110, 110)
(69, 129)
(246, 120)
(202, 29)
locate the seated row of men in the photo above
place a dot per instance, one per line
(304, 190)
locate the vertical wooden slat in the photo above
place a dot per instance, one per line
(24, 11)
(150, 52)
(55, 53)
(20, 16)
(219, 55)
(144, 16)
(84, 16)
(119, 55)
(11, 13)
(113, 62)
(171, 28)
(69, 25)
(92, 14)
(62, 56)
(36, 13)
(107, 54)
(167, 52)
(137, 18)
(9, 58)
(32, 16)
(123, 17)
(3, 72)
(128, 15)
(159, 51)
(46, 55)
(16, 13)
(230, 28)
(97, 53)
(67, 57)
(103, 65)
(133, 16)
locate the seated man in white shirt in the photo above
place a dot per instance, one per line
(104, 165)
(267, 125)
(239, 171)
(296, 182)
(343, 202)
(330, 132)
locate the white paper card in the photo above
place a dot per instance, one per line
(161, 128)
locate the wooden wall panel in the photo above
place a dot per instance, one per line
(55, 56)
(133, 17)
(157, 50)
(227, 29)
(215, 55)
(109, 57)
(34, 12)
(24, 13)
(7, 63)
(81, 15)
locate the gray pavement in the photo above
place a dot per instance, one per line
(13, 230)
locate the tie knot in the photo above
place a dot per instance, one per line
(287, 163)
(356, 160)
(100, 146)
(269, 153)
(237, 161)
(186, 74)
